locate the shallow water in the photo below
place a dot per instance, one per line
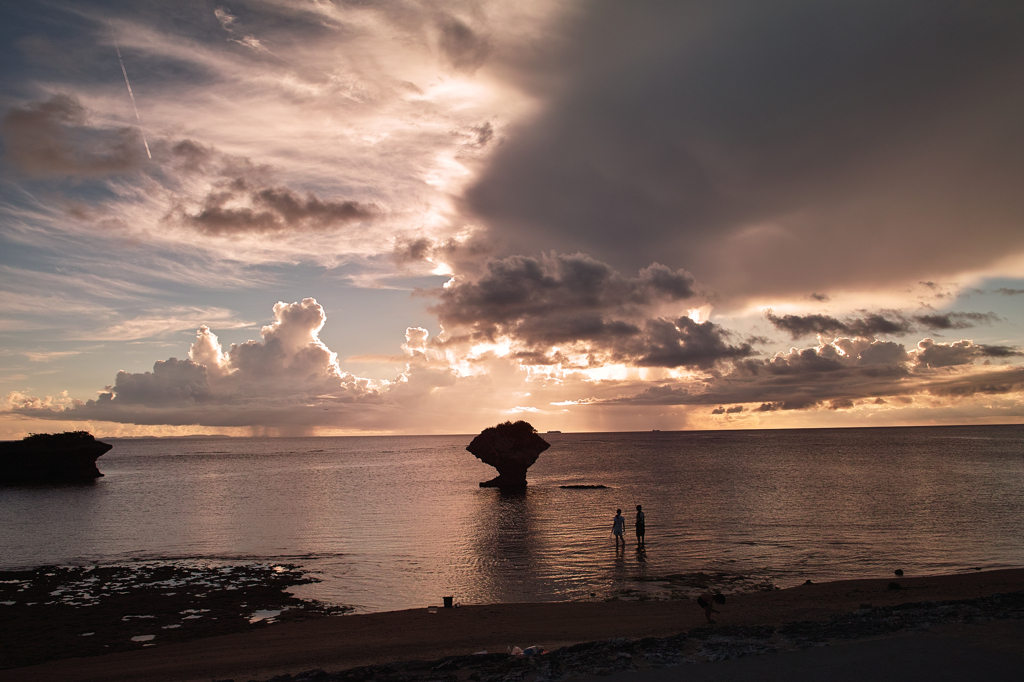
(399, 522)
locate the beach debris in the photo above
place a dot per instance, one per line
(511, 448)
(265, 614)
(899, 572)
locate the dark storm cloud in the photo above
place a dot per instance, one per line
(683, 343)
(887, 323)
(578, 301)
(520, 288)
(774, 147)
(54, 138)
(269, 210)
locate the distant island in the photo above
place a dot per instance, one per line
(67, 457)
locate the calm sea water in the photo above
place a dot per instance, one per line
(397, 522)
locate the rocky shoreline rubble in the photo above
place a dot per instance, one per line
(71, 611)
(702, 644)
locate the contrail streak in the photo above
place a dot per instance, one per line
(132, 95)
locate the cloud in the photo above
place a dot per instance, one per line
(964, 352)
(522, 291)
(840, 375)
(955, 320)
(773, 149)
(868, 326)
(54, 138)
(286, 377)
(462, 47)
(887, 323)
(225, 17)
(236, 207)
(573, 309)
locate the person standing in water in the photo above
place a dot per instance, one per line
(640, 525)
(619, 528)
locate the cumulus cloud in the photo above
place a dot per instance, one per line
(54, 138)
(568, 309)
(522, 290)
(964, 352)
(286, 377)
(840, 375)
(774, 148)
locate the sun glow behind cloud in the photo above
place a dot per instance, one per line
(621, 236)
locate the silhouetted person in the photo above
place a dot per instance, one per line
(640, 525)
(619, 528)
(707, 602)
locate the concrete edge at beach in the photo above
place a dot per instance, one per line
(343, 642)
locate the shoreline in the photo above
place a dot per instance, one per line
(350, 641)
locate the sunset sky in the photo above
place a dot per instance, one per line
(347, 216)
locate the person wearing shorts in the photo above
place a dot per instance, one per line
(619, 528)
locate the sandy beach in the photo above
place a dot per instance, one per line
(343, 642)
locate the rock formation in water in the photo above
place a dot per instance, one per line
(509, 448)
(51, 458)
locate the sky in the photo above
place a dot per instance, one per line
(333, 217)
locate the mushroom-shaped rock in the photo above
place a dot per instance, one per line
(509, 448)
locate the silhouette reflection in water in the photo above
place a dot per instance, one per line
(506, 541)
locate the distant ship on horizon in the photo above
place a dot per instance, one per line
(554, 431)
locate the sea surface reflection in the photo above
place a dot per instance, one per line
(399, 522)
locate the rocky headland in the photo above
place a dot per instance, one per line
(67, 457)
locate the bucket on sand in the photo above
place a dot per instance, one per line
(448, 602)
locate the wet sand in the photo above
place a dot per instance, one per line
(342, 642)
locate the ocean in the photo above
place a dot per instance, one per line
(390, 523)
